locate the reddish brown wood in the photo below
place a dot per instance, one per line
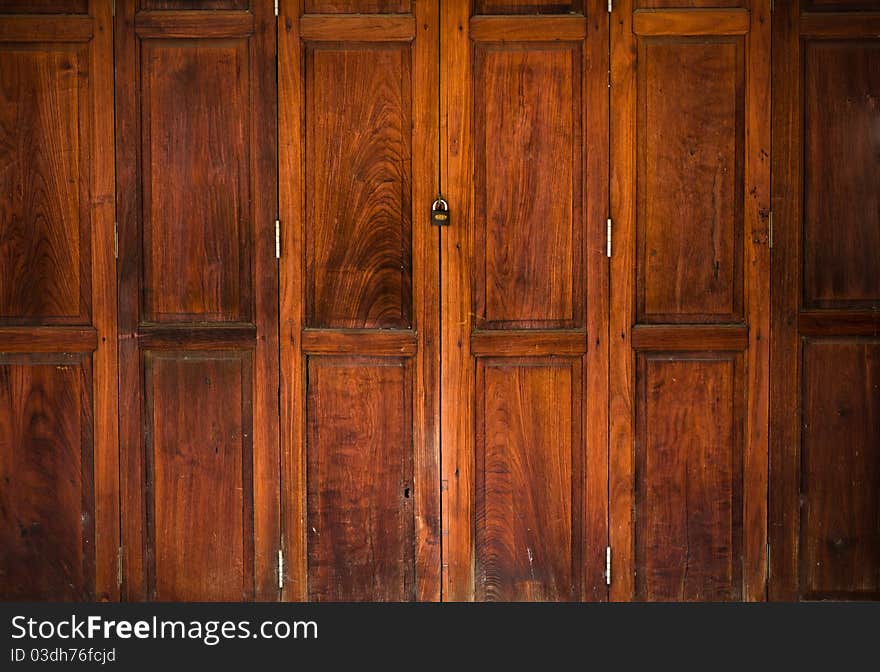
(44, 7)
(516, 7)
(358, 175)
(47, 498)
(689, 466)
(358, 171)
(689, 235)
(529, 469)
(840, 480)
(194, 4)
(198, 411)
(823, 514)
(528, 129)
(523, 130)
(358, 6)
(360, 485)
(841, 165)
(60, 520)
(690, 212)
(196, 158)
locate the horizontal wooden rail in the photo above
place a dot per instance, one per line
(17, 28)
(527, 28)
(529, 342)
(690, 337)
(376, 342)
(194, 24)
(48, 339)
(691, 22)
(330, 27)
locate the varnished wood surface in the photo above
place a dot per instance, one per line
(198, 293)
(358, 175)
(690, 249)
(47, 499)
(528, 508)
(528, 7)
(360, 482)
(840, 486)
(528, 171)
(199, 465)
(823, 514)
(689, 458)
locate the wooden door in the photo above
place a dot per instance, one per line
(524, 168)
(689, 299)
(196, 162)
(59, 524)
(825, 439)
(359, 303)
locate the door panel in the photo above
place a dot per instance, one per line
(528, 516)
(59, 525)
(360, 479)
(359, 306)
(825, 491)
(689, 477)
(198, 299)
(524, 302)
(689, 300)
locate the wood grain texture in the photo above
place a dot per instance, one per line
(838, 5)
(487, 79)
(690, 181)
(691, 68)
(840, 481)
(358, 168)
(44, 7)
(377, 166)
(47, 505)
(529, 7)
(358, 6)
(193, 4)
(45, 151)
(689, 456)
(528, 480)
(841, 171)
(691, 4)
(199, 463)
(528, 180)
(205, 106)
(679, 22)
(197, 240)
(360, 480)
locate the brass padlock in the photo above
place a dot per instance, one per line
(440, 212)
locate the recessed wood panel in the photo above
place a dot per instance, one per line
(841, 229)
(360, 487)
(690, 180)
(199, 466)
(196, 186)
(46, 498)
(689, 456)
(528, 175)
(358, 174)
(689, 4)
(840, 5)
(44, 185)
(358, 6)
(840, 482)
(194, 4)
(527, 7)
(44, 7)
(528, 479)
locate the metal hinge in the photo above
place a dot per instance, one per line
(113, 8)
(276, 7)
(609, 6)
(608, 237)
(608, 565)
(115, 241)
(771, 230)
(277, 239)
(280, 568)
(768, 562)
(119, 567)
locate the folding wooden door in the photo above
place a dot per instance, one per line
(198, 296)
(825, 494)
(690, 207)
(524, 157)
(59, 524)
(359, 306)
